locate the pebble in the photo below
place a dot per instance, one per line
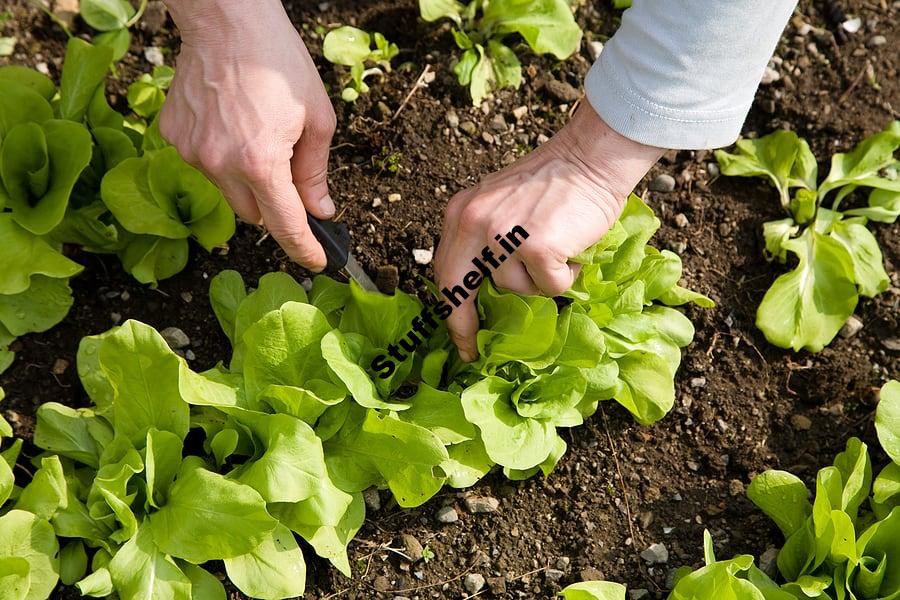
(681, 221)
(562, 563)
(481, 504)
(678, 247)
(447, 514)
(154, 56)
(487, 137)
(307, 284)
(712, 169)
(42, 68)
(851, 327)
(189, 354)
(662, 183)
(452, 119)
(891, 344)
(372, 499)
(186, 296)
(59, 366)
(175, 338)
(554, 574)
(656, 554)
(768, 562)
(800, 422)
(498, 123)
(852, 25)
(736, 487)
(473, 582)
(383, 111)
(520, 112)
(422, 256)
(125, 296)
(562, 91)
(638, 594)
(376, 202)
(469, 128)
(770, 76)
(698, 382)
(541, 138)
(395, 197)
(594, 49)
(412, 547)
(722, 425)
(693, 465)
(877, 40)
(115, 317)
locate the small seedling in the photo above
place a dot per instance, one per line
(351, 47)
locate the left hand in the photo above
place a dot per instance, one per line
(565, 195)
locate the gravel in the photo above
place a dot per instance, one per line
(453, 119)
(412, 547)
(372, 499)
(469, 128)
(594, 49)
(447, 514)
(662, 183)
(562, 91)
(473, 583)
(481, 504)
(656, 554)
(800, 422)
(422, 256)
(851, 327)
(681, 221)
(175, 338)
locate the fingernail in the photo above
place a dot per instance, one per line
(464, 354)
(326, 205)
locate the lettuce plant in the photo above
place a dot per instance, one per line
(112, 18)
(482, 27)
(844, 545)
(351, 47)
(838, 256)
(147, 94)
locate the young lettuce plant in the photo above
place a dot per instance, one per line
(843, 545)
(147, 94)
(351, 47)
(113, 18)
(838, 256)
(482, 27)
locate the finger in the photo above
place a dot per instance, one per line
(552, 274)
(463, 327)
(240, 198)
(285, 218)
(309, 167)
(513, 276)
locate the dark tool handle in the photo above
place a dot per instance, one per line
(335, 239)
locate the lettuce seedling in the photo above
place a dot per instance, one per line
(351, 47)
(147, 94)
(487, 62)
(838, 256)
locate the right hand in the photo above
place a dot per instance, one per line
(247, 107)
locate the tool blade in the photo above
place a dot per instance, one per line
(358, 274)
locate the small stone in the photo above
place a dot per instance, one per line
(668, 530)
(554, 575)
(562, 91)
(412, 547)
(189, 354)
(698, 382)
(383, 111)
(770, 76)
(562, 563)
(594, 49)
(487, 137)
(768, 562)
(395, 197)
(852, 25)
(736, 487)
(678, 247)
(372, 499)
(59, 366)
(851, 327)
(42, 68)
(381, 584)
(693, 465)
(800, 422)
(638, 594)
(712, 169)
(891, 344)
(656, 554)
(520, 112)
(497, 585)
(154, 56)
(115, 317)
(541, 138)
(722, 425)
(422, 256)
(376, 202)
(154, 17)
(307, 284)
(725, 229)
(473, 582)
(481, 504)
(175, 338)
(498, 123)
(186, 296)
(469, 128)
(447, 514)
(681, 221)
(662, 183)
(452, 119)
(877, 40)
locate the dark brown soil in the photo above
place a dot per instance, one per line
(743, 406)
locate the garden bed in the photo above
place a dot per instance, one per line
(742, 406)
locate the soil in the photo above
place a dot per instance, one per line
(743, 406)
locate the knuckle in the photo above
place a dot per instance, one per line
(256, 163)
(471, 218)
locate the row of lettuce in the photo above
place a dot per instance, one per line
(168, 468)
(74, 171)
(844, 545)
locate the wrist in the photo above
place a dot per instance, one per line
(607, 155)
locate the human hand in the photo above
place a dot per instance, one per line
(565, 195)
(248, 108)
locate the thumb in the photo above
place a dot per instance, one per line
(309, 167)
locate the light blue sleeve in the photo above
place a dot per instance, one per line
(682, 74)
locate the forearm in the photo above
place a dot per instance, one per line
(218, 21)
(683, 74)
